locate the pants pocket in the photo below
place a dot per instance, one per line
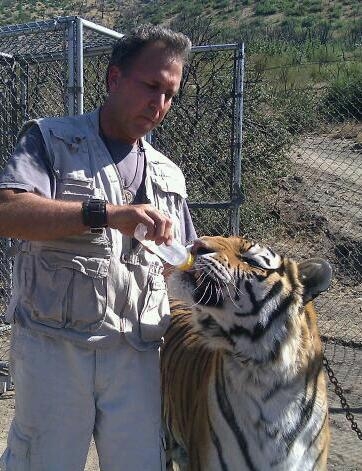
(16, 457)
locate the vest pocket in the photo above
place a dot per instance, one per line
(154, 317)
(76, 189)
(70, 153)
(168, 198)
(69, 290)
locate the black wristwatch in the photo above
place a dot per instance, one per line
(94, 214)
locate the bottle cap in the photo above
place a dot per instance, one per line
(188, 263)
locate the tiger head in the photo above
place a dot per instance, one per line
(245, 297)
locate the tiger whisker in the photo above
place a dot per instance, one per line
(202, 297)
(238, 291)
(219, 291)
(200, 280)
(205, 291)
(231, 297)
(210, 295)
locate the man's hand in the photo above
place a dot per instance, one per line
(125, 218)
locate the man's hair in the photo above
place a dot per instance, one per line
(128, 48)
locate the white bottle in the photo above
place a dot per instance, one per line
(175, 254)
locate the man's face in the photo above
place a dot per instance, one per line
(141, 96)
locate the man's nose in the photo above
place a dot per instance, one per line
(158, 101)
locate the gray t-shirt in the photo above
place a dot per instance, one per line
(29, 169)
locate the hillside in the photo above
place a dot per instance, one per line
(233, 18)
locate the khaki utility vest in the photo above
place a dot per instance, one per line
(90, 286)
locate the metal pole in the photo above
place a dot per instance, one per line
(79, 53)
(71, 30)
(149, 137)
(102, 29)
(79, 71)
(34, 26)
(213, 47)
(237, 194)
(24, 92)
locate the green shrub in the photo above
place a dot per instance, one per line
(299, 109)
(265, 8)
(316, 8)
(307, 22)
(343, 100)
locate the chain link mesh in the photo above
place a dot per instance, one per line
(302, 184)
(301, 154)
(197, 134)
(33, 78)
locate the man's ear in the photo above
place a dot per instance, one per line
(315, 275)
(113, 78)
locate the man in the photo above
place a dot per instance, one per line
(89, 305)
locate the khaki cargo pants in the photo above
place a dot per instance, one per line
(66, 393)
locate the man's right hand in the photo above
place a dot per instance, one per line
(125, 218)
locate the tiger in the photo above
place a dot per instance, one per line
(243, 386)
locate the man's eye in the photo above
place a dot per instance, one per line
(152, 86)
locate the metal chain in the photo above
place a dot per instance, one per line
(339, 392)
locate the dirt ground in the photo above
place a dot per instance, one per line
(322, 198)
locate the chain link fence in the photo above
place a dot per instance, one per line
(302, 188)
(267, 155)
(202, 134)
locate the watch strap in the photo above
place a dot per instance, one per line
(94, 213)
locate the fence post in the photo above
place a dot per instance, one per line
(71, 68)
(79, 71)
(75, 66)
(237, 193)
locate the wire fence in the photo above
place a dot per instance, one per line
(302, 188)
(274, 154)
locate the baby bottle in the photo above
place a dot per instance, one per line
(175, 254)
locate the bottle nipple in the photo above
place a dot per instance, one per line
(188, 263)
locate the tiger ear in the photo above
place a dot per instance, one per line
(315, 275)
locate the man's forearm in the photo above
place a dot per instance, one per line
(29, 216)
(32, 217)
